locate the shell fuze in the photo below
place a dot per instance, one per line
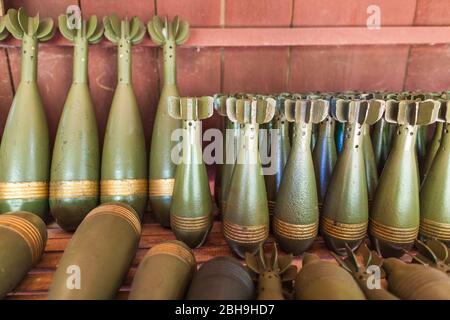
(271, 272)
(324, 280)
(246, 216)
(99, 255)
(345, 212)
(191, 211)
(435, 191)
(124, 164)
(23, 237)
(24, 149)
(278, 144)
(162, 169)
(296, 218)
(360, 272)
(231, 132)
(75, 168)
(164, 273)
(222, 278)
(395, 212)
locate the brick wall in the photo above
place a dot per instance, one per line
(209, 70)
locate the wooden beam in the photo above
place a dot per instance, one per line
(330, 36)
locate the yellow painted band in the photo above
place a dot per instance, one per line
(271, 206)
(120, 211)
(393, 234)
(126, 187)
(245, 234)
(295, 231)
(161, 187)
(435, 229)
(27, 231)
(190, 223)
(24, 190)
(73, 189)
(344, 231)
(175, 250)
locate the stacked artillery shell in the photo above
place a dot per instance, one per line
(435, 192)
(296, 218)
(99, 254)
(339, 134)
(432, 150)
(75, 169)
(246, 216)
(361, 273)
(394, 216)
(221, 278)
(165, 273)
(230, 146)
(382, 137)
(191, 208)
(270, 272)
(23, 237)
(162, 168)
(279, 147)
(416, 282)
(124, 164)
(323, 280)
(324, 157)
(369, 164)
(345, 213)
(24, 150)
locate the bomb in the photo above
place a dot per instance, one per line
(278, 150)
(124, 164)
(230, 146)
(435, 191)
(23, 237)
(162, 169)
(99, 254)
(345, 212)
(395, 212)
(296, 218)
(370, 164)
(416, 282)
(432, 150)
(382, 136)
(323, 280)
(191, 209)
(221, 278)
(75, 167)
(271, 272)
(246, 216)
(362, 274)
(24, 149)
(165, 273)
(324, 157)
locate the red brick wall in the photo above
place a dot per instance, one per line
(265, 69)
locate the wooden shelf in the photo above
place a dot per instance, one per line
(304, 36)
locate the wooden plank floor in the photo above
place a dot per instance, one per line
(36, 284)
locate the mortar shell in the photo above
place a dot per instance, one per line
(222, 278)
(23, 237)
(322, 280)
(99, 254)
(165, 273)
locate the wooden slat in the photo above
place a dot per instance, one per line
(275, 37)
